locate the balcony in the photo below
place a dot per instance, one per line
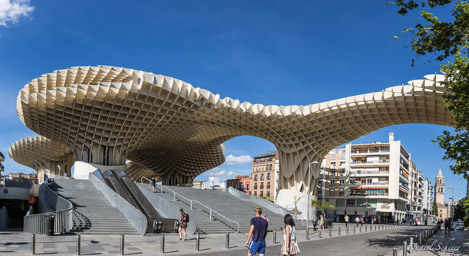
(368, 172)
(368, 194)
(404, 188)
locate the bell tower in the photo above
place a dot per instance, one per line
(440, 195)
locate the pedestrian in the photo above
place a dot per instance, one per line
(315, 222)
(289, 246)
(357, 220)
(346, 220)
(321, 223)
(362, 221)
(153, 184)
(449, 226)
(258, 232)
(183, 224)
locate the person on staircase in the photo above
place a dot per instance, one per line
(182, 225)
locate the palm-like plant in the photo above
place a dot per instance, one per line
(323, 206)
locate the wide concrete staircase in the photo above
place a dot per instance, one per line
(224, 203)
(93, 213)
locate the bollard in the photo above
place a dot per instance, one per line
(162, 244)
(420, 239)
(78, 245)
(375, 227)
(122, 244)
(274, 237)
(319, 234)
(411, 245)
(354, 230)
(346, 231)
(227, 241)
(404, 247)
(366, 229)
(330, 231)
(197, 242)
(339, 231)
(33, 244)
(307, 234)
(394, 251)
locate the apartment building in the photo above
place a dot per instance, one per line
(368, 180)
(427, 199)
(2, 158)
(242, 183)
(265, 170)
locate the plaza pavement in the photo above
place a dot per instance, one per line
(457, 243)
(364, 243)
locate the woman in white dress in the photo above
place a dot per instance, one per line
(289, 246)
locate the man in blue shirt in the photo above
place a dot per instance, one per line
(258, 232)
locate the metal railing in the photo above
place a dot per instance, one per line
(166, 209)
(261, 202)
(134, 216)
(192, 202)
(56, 209)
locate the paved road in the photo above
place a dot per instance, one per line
(375, 243)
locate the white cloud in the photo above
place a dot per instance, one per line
(230, 173)
(243, 159)
(219, 173)
(12, 10)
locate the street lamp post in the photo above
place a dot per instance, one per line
(309, 197)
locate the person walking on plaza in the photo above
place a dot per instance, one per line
(321, 223)
(153, 184)
(289, 246)
(258, 232)
(183, 224)
(357, 220)
(315, 222)
(346, 220)
(362, 221)
(446, 225)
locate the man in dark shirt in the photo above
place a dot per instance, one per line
(258, 232)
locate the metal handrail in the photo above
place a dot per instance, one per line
(191, 202)
(36, 223)
(264, 203)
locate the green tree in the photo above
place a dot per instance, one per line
(323, 206)
(446, 40)
(435, 209)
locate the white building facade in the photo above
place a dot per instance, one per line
(372, 181)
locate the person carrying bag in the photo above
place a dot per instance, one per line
(289, 246)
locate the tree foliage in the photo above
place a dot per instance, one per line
(447, 40)
(323, 206)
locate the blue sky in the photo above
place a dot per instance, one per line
(268, 52)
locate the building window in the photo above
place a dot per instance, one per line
(255, 193)
(341, 192)
(268, 176)
(255, 177)
(350, 202)
(247, 186)
(332, 182)
(361, 203)
(268, 193)
(340, 202)
(373, 203)
(332, 192)
(262, 193)
(262, 176)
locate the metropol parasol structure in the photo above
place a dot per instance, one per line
(166, 127)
